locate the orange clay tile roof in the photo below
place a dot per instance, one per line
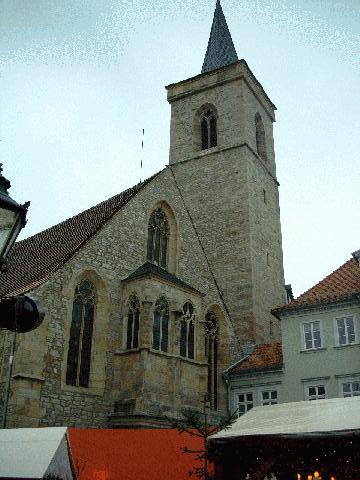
(265, 356)
(342, 284)
(137, 454)
(36, 258)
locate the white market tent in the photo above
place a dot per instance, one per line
(34, 452)
(308, 418)
(291, 440)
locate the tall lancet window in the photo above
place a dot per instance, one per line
(81, 331)
(158, 238)
(208, 130)
(260, 137)
(211, 352)
(133, 318)
(187, 331)
(161, 325)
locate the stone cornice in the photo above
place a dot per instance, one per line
(217, 150)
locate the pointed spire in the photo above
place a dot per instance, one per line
(220, 50)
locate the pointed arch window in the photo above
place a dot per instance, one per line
(187, 331)
(158, 238)
(161, 325)
(260, 137)
(81, 331)
(208, 130)
(133, 320)
(211, 353)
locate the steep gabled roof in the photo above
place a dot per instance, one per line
(35, 259)
(342, 284)
(265, 356)
(220, 50)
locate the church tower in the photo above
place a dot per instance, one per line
(222, 158)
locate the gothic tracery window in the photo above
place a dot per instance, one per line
(208, 130)
(158, 238)
(161, 325)
(81, 331)
(133, 318)
(211, 353)
(187, 331)
(260, 137)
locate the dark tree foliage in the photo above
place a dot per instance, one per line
(196, 423)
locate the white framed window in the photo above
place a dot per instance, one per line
(269, 397)
(245, 402)
(311, 332)
(350, 388)
(345, 330)
(315, 392)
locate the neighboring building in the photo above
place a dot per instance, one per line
(150, 295)
(320, 354)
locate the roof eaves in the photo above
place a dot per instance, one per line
(227, 372)
(297, 307)
(266, 369)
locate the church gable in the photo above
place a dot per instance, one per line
(95, 349)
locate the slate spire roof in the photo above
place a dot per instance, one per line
(220, 51)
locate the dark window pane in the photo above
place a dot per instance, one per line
(157, 247)
(346, 387)
(317, 339)
(183, 332)
(191, 340)
(86, 345)
(150, 244)
(129, 331)
(163, 251)
(136, 330)
(164, 333)
(213, 133)
(156, 331)
(210, 369)
(204, 134)
(73, 354)
(215, 361)
(321, 390)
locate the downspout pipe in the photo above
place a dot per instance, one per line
(8, 380)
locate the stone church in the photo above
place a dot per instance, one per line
(152, 294)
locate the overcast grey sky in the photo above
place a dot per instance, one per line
(80, 79)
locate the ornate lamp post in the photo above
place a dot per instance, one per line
(12, 219)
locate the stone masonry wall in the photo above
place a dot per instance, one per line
(39, 394)
(226, 202)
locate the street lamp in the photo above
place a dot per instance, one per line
(12, 219)
(24, 313)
